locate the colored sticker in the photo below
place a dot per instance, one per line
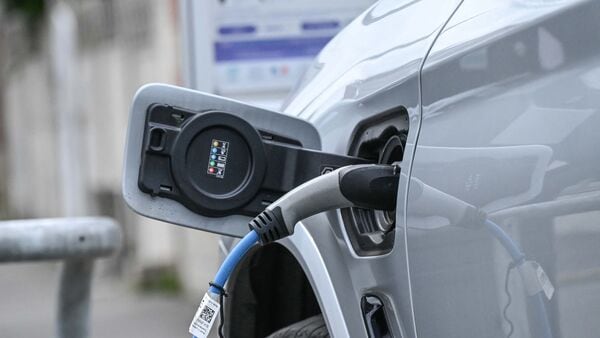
(217, 158)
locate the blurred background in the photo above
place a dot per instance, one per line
(68, 72)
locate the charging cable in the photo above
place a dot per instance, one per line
(533, 276)
(217, 288)
(370, 187)
(367, 186)
(462, 214)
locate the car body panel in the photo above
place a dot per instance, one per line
(371, 67)
(511, 98)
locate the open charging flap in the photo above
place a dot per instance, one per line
(212, 163)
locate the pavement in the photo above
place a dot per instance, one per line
(28, 294)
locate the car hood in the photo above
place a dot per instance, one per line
(380, 48)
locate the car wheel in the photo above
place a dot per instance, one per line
(313, 327)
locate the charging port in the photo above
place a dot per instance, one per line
(382, 140)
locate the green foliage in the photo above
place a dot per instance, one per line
(163, 280)
(33, 10)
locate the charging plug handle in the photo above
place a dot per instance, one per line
(368, 186)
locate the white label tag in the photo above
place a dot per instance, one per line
(205, 317)
(545, 282)
(535, 279)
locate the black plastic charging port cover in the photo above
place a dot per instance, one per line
(244, 167)
(217, 164)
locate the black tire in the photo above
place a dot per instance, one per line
(313, 327)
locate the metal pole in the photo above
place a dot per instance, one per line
(74, 290)
(63, 62)
(58, 239)
(74, 298)
(77, 241)
(3, 79)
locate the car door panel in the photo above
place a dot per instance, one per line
(509, 126)
(369, 69)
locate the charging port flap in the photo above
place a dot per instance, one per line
(211, 163)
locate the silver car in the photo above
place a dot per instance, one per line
(492, 110)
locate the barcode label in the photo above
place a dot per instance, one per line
(207, 314)
(205, 317)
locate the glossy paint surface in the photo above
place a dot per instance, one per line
(508, 124)
(511, 114)
(369, 68)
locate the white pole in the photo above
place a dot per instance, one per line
(75, 284)
(63, 64)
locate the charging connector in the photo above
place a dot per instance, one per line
(367, 186)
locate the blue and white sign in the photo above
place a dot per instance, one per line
(265, 45)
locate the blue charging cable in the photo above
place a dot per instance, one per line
(217, 286)
(231, 261)
(518, 258)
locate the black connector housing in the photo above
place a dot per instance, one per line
(371, 186)
(269, 226)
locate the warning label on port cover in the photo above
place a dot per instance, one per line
(217, 158)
